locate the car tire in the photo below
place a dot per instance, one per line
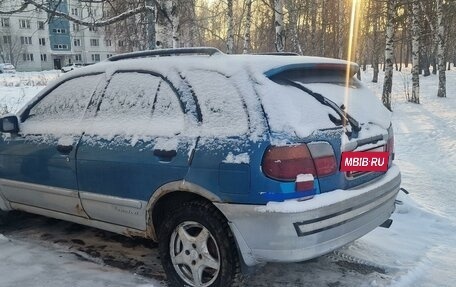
(197, 247)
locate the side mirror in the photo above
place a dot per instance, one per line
(9, 124)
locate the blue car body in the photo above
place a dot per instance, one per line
(116, 181)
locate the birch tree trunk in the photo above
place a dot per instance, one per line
(175, 23)
(248, 22)
(389, 54)
(293, 22)
(168, 25)
(324, 24)
(230, 36)
(415, 98)
(151, 33)
(313, 33)
(441, 49)
(340, 29)
(195, 35)
(375, 61)
(279, 31)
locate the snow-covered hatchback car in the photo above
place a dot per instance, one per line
(227, 161)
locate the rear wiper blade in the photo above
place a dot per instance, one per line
(346, 118)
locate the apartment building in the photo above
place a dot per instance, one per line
(33, 41)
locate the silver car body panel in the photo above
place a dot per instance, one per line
(280, 236)
(130, 232)
(42, 196)
(120, 211)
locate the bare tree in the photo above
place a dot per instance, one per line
(375, 41)
(248, 23)
(92, 21)
(441, 49)
(389, 54)
(151, 32)
(415, 53)
(313, 25)
(230, 36)
(168, 24)
(279, 30)
(293, 26)
(11, 49)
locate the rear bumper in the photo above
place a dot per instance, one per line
(296, 231)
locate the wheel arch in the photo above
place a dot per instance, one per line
(173, 192)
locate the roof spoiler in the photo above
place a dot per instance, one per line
(353, 68)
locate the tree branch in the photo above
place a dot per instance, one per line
(20, 9)
(100, 23)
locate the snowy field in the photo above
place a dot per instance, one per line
(418, 250)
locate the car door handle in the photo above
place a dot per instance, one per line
(165, 155)
(64, 149)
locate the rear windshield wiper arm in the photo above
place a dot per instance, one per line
(346, 118)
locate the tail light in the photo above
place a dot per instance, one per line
(287, 162)
(324, 158)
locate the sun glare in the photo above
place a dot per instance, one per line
(352, 43)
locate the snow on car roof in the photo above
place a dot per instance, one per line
(288, 112)
(227, 64)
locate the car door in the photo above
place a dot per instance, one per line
(134, 142)
(38, 166)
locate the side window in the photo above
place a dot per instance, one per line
(61, 110)
(167, 110)
(67, 101)
(221, 105)
(128, 95)
(138, 104)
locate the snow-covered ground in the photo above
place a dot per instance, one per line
(418, 250)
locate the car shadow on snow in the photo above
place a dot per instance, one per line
(140, 256)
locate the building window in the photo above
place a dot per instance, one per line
(94, 42)
(74, 11)
(77, 42)
(121, 43)
(76, 27)
(43, 57)
(108, 43)
(59, 31)
(42, 41)
(78, 58)
(7, 39)
(93, 29)
(24, 24)
(95, 57)
(40, 25)
(60, 46)
(26, 40)
(27, 57)
(4, 22)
